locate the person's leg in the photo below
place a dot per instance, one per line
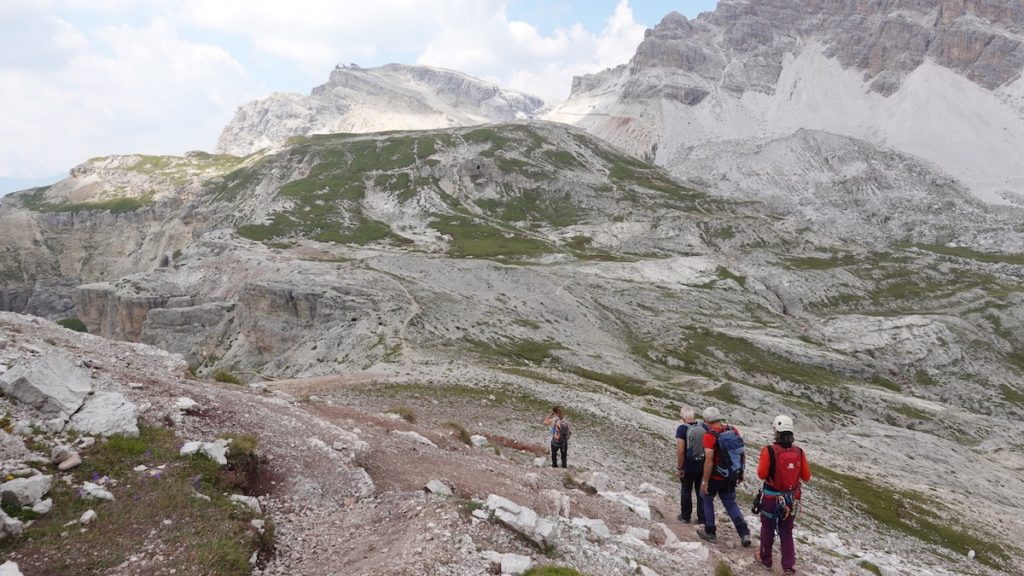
(709, 507)
(768, 504)
(786, 544)
(700, 500)
(565, 455)
(554, 455)
(686, 499)
(728, 496)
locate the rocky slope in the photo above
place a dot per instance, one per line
(358, 100)
(880, 72)
(536, 264)
(345, 484)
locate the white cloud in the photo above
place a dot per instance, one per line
(472, 36)
(517, 55)
(71, 88)
(129, 89)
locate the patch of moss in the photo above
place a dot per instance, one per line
(37, 201)
(474, 239)
(969, 254)
(915, 515)
(74, 324)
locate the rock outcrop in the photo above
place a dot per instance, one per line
(882, 72)
(357, 100)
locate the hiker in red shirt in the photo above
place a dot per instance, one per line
(723, 469)
(783, 467)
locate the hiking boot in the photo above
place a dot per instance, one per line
(745, 540)
(705, 536)
(682, 519)
(789, 572)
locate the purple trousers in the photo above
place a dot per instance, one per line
(768, 528)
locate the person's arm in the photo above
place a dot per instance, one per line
(764, 463)
(805, 469)
(680, 454)
(550, 420)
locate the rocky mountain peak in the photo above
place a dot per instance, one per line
(360, 100)
(744, 42)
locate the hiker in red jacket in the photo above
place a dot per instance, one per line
(782, 466)
(723, 469)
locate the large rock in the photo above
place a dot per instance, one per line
(9, 527)
(52, 384)
(26, 491)
(106, 414)
(216, 450)
(521, 519)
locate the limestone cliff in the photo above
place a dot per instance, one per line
(356, 100)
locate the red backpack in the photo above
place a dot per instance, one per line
(784, 468)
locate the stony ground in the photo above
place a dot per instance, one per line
(343, 474)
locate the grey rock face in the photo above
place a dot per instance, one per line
(53, 385)
(105, 414)
(743, 42)
(391, 97)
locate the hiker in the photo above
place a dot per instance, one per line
(690, 463)
(559, 428)
(783, 467)
(723, 469)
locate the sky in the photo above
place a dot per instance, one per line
(86, 78)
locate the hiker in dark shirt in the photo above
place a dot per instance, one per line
(690, 464)
(559, 428)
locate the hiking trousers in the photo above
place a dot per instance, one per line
(690, 486)
(768, 528)
(557, 447)
(726, 492)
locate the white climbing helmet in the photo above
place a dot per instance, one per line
(782, 423)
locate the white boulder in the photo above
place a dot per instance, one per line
(10, 568)
(216, 450)
(634, 503)
(438, 487)
(51, 384)
(415, 437)
(87, 518)
(26, 491)
(106, 414)
(186, 405)
(247, 501)
(9, 526)
(71, 462)
(478, 440)
(96, 491)
(43, 507)
(597, 527)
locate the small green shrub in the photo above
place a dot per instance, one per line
(460, 431)
(227, 377)
(723, 569)
(551, 571)
(74, 324)
(407, 414)
(870, 567)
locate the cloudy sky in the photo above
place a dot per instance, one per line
(84, 78)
